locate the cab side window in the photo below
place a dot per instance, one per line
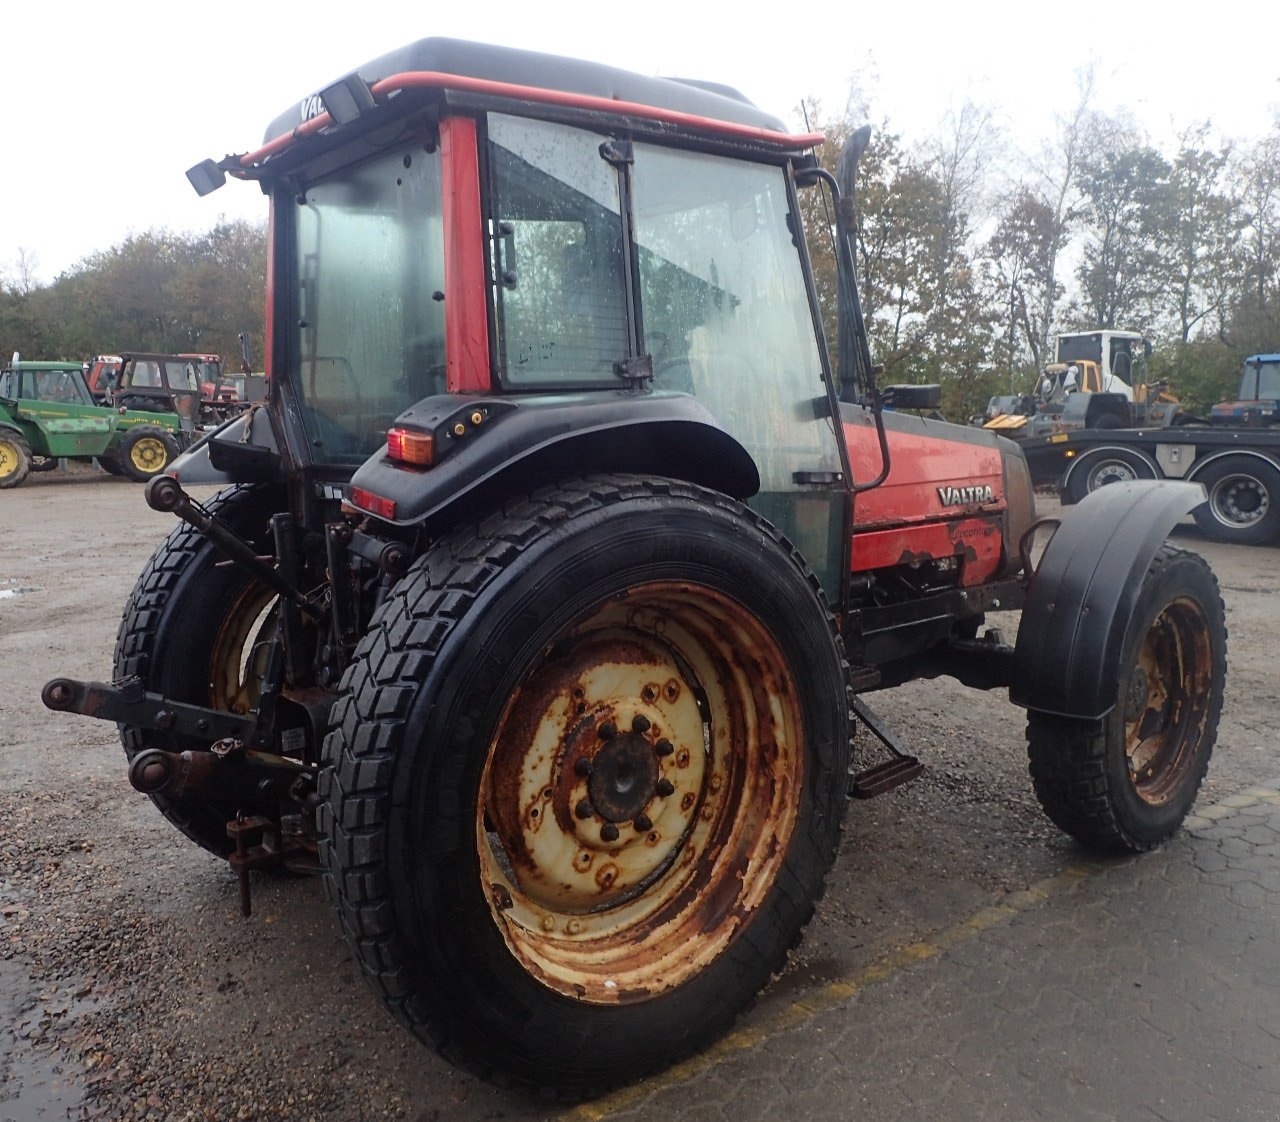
(559, 262)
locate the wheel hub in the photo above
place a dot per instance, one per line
(623, 776)
(1244, 502)
(1138, 690)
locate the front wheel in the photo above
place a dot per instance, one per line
(1242, 502)
(1125, 783)
(144, 452)
(586, 781)
(15, 458)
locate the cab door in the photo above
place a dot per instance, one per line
(725, 315)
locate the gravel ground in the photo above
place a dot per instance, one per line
(132, 989)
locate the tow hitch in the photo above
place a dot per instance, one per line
(127, 702)
(274, 795)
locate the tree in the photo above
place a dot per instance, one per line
(1057, 191)
(1122, 187)
(1193, 224)
(155, 291)
(1254, 320)
(1022, 253)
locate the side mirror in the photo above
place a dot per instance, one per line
(206, 177)
(912, 397)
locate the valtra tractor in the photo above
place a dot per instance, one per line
(540, 601)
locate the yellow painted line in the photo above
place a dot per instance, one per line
(841, 990)
(834, 993)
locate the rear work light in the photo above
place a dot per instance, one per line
(374, 504)
(407, 446)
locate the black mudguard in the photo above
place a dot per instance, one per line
(1084, 592)
(533, 440)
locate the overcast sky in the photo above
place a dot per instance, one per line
(107, 105)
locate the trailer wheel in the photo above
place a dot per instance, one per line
(1243, 501)
(586, 781)
(145, 451)
(1113, 465)
(1125, 783)
(189, 630)
(15, 458)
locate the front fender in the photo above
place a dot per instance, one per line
(1083, 593)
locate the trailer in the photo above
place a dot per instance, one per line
(1239, 468)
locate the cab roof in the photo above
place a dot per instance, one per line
(35, 364)
(508, 66)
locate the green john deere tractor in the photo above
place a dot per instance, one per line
(47, 414)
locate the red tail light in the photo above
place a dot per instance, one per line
(374, 504)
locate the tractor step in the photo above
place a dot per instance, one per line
(879, 778)
(882, 777)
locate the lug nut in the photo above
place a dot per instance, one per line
(609, 832)
(642, 823)
(664, 747)
(582, 766)
(665, 787)
(607, 731)
(584, 809)
(640, 723)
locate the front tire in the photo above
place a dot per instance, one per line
(1125, 783)
(144, 452)
(15, 458)
(586, 781)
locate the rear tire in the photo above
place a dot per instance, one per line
(1243, 501)
(15, 458)
(1125, 783)
(586, 779)
(188, 630)
(144, 452)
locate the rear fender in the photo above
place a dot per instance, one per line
(1082, 596)
(532, 441)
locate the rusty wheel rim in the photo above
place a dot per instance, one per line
(641, 791)
(149, 454)
(238, 660)
(1166, 701)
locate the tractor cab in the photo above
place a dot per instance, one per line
(1259, 400)
(1117, 360)
(53, 383)
(605, 268)
(157, 383)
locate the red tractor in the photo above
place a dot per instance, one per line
(563, 552)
